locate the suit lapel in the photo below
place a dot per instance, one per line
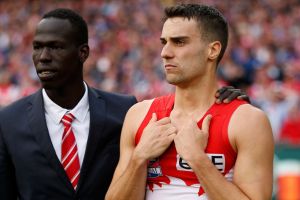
(95, 138)
(38, 126)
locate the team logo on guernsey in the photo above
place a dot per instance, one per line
(217, 159)
(154, 169)
(182, 165)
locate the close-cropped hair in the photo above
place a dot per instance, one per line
(212, 24)
(78, 23)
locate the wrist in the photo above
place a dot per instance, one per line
(198, 159)
(138, 158)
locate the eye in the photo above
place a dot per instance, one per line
(163, 41)
(179, 42)
(55, 47)
(36, 47)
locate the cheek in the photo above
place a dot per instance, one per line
(71, 58)
(192, 59)
(34, 58)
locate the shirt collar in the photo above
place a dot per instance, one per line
(56, 112)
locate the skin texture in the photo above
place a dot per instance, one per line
(59, 61)
(190, 64)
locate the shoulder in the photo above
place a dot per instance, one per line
(249, 114)
(136, 114)
(114, 102)
(140, 109)
(19, 105)
(249, 124)
(112, 96)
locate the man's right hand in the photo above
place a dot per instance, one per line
(227, 94)
(156, 138)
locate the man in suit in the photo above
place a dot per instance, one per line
(62, 142)
(31, 130)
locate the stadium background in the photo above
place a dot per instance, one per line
(263, 58)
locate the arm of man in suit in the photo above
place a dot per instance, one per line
(7, 172)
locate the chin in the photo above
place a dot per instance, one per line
(173, 81)
(49, 86)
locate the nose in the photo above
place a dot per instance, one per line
(166, 52)
(45, 55)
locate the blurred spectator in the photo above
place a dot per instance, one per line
(278, 101)
(290, 132)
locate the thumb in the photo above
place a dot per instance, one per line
(153, 118)
(206, 123)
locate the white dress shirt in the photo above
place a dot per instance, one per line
(80, 125)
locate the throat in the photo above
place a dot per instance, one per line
(65, 98)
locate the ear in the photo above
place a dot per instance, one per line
(84, 51)
(214, 49)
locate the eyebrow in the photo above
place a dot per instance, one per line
(175, 38)
(47, 42)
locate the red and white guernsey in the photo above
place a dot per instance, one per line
(169, 176)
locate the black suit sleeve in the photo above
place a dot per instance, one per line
(133, 100)
(8, 189)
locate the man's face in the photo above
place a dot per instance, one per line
(55, 54)
(184, 51)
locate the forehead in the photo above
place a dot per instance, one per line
(53, 28)
(179, 26)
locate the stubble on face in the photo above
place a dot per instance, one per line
(184, 51)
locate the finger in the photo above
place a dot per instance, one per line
(164, 121)
(171, 136)
(231, 97)
(206, 123)
(244, 97)
(172, 130)
(223, 89)
(153, 118)
(218, 101)
(166, 128)
(224, 95)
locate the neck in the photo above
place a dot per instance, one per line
(196, 97)
(67, 97)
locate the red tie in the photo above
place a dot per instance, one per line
(69, 153)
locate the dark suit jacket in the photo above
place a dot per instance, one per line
(29, 167)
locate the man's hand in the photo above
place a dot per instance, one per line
(190, 140)
(156, 138)
(228, 93)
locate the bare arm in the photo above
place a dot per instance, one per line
(129, 181)
(250, 133)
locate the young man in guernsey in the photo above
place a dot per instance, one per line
(184, 146)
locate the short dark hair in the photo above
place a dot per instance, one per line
(213, 25)
(77, 22)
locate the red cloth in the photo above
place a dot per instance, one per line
(69, 152)
(290, 131)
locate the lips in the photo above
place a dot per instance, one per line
(169, 66)
(46, 74)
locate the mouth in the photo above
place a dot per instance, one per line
(46, 74)
(170, 66)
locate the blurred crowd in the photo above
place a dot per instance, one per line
(263, 56)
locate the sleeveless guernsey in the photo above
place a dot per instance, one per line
(169, 177)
